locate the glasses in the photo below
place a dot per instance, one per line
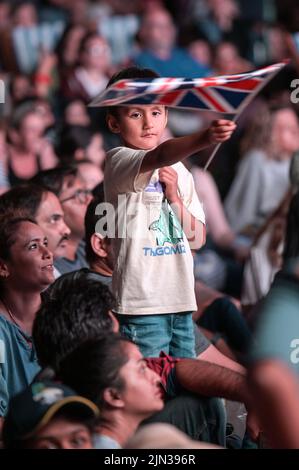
(81, 196)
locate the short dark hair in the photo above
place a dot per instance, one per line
(74, 309)
(9, 224)
(127, 73)
(72, 138)
(86, 38)
(25, 198)
(94, 366)
(91, 219)
(20, 113)
(53, 179)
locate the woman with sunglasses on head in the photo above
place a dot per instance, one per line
(26, 269)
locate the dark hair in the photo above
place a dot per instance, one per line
(53, 179)
(129, 72)
(25, 198)
(91, 220)
(17, 5)
(87, 37)
(94, 366)
(71, 139)
(61, 45)
(291, 248)
(9, 225)
(20, 113)
(71, 415)
(11, 88)
(74, 309)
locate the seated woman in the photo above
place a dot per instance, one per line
(262, 179)
(28, 150)
(116, 380)
(91, 74)
(77, 142)
(26, 269)
(267, 249)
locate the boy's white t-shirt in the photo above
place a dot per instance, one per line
(153, 272)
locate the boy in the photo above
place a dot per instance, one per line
(48, 415)
(153, 277)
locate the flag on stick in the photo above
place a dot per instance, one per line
(226, 94)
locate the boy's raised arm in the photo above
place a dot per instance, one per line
(175, 150)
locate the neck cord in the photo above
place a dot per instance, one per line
(10, 313)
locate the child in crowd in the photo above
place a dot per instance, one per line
(153, 277)
(48, 415)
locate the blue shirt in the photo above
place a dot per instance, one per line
(179, 64)
(277, 329)
(65, 265)
(18, 361)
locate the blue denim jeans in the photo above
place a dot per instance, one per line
(172, 333)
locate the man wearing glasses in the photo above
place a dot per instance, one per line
(74, 199)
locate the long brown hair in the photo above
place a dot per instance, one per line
(259, 130)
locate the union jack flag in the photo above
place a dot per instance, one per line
(227, 94)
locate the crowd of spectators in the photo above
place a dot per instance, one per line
(57, 304)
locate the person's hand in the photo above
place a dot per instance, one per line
(47, 61)
(220, 131)
(253, 426)
(39, 146)
(169, 177)
(241, 253)
(44, 151)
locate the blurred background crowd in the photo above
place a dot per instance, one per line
(57, 55)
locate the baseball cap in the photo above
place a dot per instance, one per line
(33, 408)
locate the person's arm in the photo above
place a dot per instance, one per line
(243, 200)
(194, 229)
(208, 379)
(208, 193)
(276, 390)
(174, 150)
(212, 355)
(205, 295)
(48, 159)
(43, 78)
(219, 342)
